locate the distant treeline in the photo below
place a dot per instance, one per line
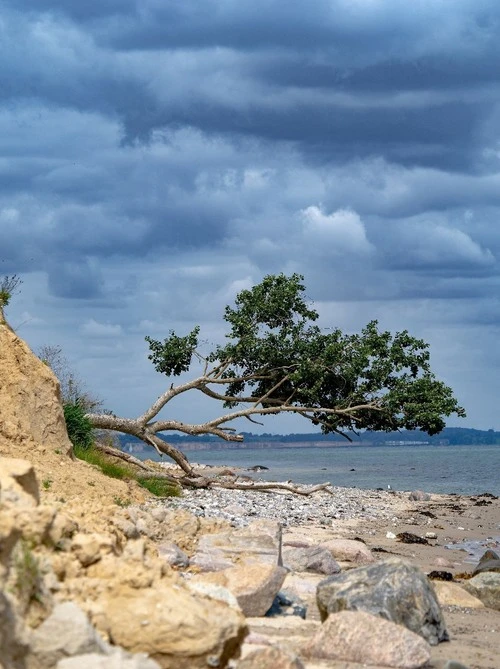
(450, 435)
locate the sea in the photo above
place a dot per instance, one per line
(462, 469)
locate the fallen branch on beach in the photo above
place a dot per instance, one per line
(194, 480)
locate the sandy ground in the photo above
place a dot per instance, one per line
(475, 633)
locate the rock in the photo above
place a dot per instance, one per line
(258, 542)
(270, 658)
(356, 636)
(452, 594)
(453, 664)
(254, 585)
(13, 636)
(179, 630)
(18, 484)
(486, 587)
(32, 413)
(419, 496)
(349, 550)
(90, 548)
(490, 561)
(301, 588)
(118, 659)
(66, 632)
(393, 589)
(315, 559)
(172, 554)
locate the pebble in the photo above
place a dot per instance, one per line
(240, 507)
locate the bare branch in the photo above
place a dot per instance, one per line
(269, 487)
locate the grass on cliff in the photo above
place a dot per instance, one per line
(116, 470)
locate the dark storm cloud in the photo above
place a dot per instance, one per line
(158, 156)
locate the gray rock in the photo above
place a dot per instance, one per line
(453, 664)
(172, 554)
(490, 561)
(315, 559)
(419, 496)
(393, 589)
(356, 636)
(486, 587)
(258, 542)
(66, 632)
(118, 659)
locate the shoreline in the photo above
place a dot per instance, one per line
(376, 517)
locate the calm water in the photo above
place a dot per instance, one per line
(441, 469)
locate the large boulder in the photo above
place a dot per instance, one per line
(486, 587)
(30, 403)
(178, 629)
(393, 589)
(255, 585)
(355, 636)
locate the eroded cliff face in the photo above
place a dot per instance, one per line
(31, 414)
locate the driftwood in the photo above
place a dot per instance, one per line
(194, 480)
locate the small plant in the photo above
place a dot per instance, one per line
(46, 483)
(159, 487)
(122, 502)
(28, 583)
(105, 464)
(58, 451)
(91, 483)
(79, 427)
(8, 285)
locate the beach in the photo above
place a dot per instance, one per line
(376, 517)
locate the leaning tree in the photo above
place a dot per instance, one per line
(277, 361)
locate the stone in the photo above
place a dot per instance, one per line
(490, 561)
(254, 585)
(315, 559)
(13, 635)
(260, 541)
(66, 632)
(394, 589)
(349, 550)
(178, 629)
(270, 658)
(357, 636)
(32, 413)
(18, 484)
(419, 496)
(90, 548)
(486, 587)
(172, 554)
(452, 594)
(117, 659)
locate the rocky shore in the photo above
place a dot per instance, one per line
(96, 573)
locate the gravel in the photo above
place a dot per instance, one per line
(241, 507)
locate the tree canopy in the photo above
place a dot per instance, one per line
(277, 360)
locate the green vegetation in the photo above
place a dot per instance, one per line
(78, 425)
(46, 483)
(159, 487)
(108, 467)
(8, 286)
(28, 577)
(122, 502)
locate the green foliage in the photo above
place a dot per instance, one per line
(159, 487)
(174, 355)
(108, 466)
(276, 358)
(28, 582)
(79, 427)
(46, 483)
(119, 501)
(8, 286)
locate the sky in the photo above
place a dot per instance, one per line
(158, 156)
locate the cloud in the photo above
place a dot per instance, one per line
(93, 328)
(339, 232)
